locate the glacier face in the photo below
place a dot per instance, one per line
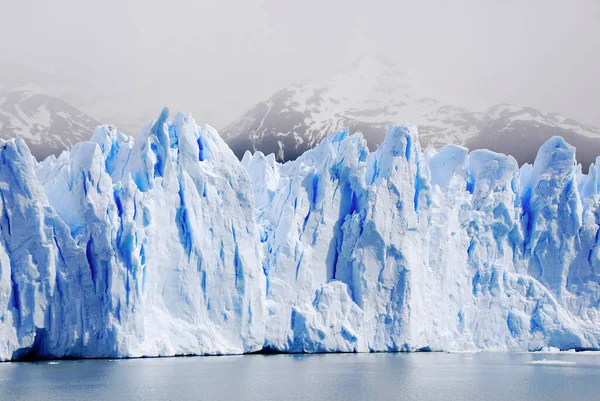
(166, 244)
(130, 248)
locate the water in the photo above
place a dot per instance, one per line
(422, 376)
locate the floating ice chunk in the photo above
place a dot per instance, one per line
(552, 362)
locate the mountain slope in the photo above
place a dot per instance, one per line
(48, 124)
(372, 93)
(365, 97)
(520, 131)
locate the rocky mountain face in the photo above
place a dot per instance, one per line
(520, 131)
(373, 93)
(47, 123)
(366, 97)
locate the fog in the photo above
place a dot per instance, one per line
(217, 58)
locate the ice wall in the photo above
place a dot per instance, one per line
(159, 234)
(441, 249)
(166, 244)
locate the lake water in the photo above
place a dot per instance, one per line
(420, 376)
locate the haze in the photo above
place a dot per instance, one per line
(126, 59)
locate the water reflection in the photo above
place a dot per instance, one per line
(423, 376)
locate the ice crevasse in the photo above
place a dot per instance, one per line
(167, 244)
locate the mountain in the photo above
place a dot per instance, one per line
(520, 131)
(48, 124)
(365, 97)
(167, 244)
(373, 93)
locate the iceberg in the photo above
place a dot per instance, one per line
(166, 244)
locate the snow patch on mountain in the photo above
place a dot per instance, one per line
(48, 124)
(373, 93)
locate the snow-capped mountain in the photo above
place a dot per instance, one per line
(47, 123)
(365, 97)
(372, 93)
(167, 244)
(520, 131)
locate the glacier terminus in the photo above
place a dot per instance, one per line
(166, 244)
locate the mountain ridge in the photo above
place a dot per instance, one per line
(48, 124)
(373, 93)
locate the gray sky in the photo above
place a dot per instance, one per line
(217, 58)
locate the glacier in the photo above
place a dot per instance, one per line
(166, 244)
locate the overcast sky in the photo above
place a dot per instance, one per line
(217, 58)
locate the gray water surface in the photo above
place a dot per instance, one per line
(420, 376)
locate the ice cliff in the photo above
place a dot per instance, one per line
(167, 245)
